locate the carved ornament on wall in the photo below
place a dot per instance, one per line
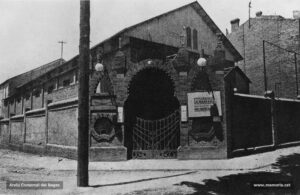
(103, 130)
(207, 129)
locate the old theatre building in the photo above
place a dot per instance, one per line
(158, 89)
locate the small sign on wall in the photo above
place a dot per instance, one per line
(199, 103)
(120, 115)
(183, 114)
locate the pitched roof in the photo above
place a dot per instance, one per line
(236, 69)
(216, 29)
(35, 73)
(201, 12)
(26, 77)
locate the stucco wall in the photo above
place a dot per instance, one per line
(35, 130)
(63, 93)
(62, 127)
(4, 133)
(12, 107)
(37, 100)
(17, 129)
(5, 110)
(27, 101)
(18, 106)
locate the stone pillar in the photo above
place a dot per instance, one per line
(211, 79)
(228, 115)
(106, 145)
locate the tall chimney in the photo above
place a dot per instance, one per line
(296, 14)
(235, 23)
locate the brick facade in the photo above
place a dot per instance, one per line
(280, 65)
(46, 115)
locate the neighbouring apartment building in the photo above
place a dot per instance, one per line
(153, 99)
(282, 40)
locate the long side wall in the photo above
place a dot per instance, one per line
(61, 87)
(287, 121)
(252, 125)
(263, 123)
(51, 130)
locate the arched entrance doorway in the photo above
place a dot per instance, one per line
(152, 118)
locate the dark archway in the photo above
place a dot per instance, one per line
(151, 97)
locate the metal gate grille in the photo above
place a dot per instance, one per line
(156, 138)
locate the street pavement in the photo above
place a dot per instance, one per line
(155, 176)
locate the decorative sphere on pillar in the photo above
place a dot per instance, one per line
(99, 67)
(201, 62)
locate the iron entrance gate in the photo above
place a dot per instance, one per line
(156, 138)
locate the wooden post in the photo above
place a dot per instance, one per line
(271, 95)
(274, 121)
(83, 96)
(296, 74)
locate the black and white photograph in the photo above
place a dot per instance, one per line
(158, 97)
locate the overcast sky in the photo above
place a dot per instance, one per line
(30, 29)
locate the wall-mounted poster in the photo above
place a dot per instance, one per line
(199, 103)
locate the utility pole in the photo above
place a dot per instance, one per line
(296, 74)
(265, 69)
(83, 96)
(249, 12)
(62, 48)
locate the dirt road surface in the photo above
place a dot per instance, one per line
(18, 166)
